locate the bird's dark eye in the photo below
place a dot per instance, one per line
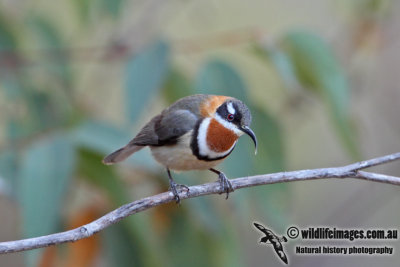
(230, 117)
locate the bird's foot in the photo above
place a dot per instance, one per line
(174, 189)
(225, 184)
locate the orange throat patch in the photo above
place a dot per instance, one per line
(219, 138)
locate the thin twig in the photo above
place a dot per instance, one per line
(348, 171)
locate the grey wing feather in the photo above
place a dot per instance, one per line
(191, 103)
(147, 135)
(174, 121)
(173, 125)
(163, 129)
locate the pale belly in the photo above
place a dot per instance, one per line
(179, 157)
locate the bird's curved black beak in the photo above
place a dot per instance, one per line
(252, 135)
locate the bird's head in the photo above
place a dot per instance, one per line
(223, 120)
(234, 115)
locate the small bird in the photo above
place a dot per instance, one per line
(271, 238)
(196, 132)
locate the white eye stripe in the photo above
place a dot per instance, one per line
(228, 125)
(230, 108)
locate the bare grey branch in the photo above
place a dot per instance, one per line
(349, 171)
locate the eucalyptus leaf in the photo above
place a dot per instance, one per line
(176, 86)
(270, 155)
(144, 77)
(49, 39)
(82, 8)
(120, 249)
(111, 7)
(218, 77)
(99, 136)
(8, 47)
(8, 40)
(215, 233)
(45, 31)
(8, 171)
(267, 201)
(5, 188)
(12, 87)
(46, 170)
(105, 138)
(42, 113)
(317, 68)
(192, 243)
(92, 170)
(282, 62)
(135, 229)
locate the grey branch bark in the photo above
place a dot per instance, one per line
(348, 171)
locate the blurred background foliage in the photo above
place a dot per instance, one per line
(79, 78)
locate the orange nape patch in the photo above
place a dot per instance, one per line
(219, 138)
(210, 105)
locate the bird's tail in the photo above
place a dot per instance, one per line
(121, 154)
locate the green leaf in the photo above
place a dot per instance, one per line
(193, 242)
(317, 68)
(218, 77)
(271, 199)
(104, 138)
(46, 32)
(82, 8)
(119, 248)
(176, 86)
(5, 188)
(12, 88)
(137, 229)
(91, 168)
(282, 63)
(99, 136)
(49, 38)
(270, 156)
(17, 126)
(112, 7)
(8, 40)
(8, 171)
(144, 76)
(8, 56)
(42, 112)
(46, 169)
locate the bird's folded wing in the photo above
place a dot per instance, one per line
(166, 128)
